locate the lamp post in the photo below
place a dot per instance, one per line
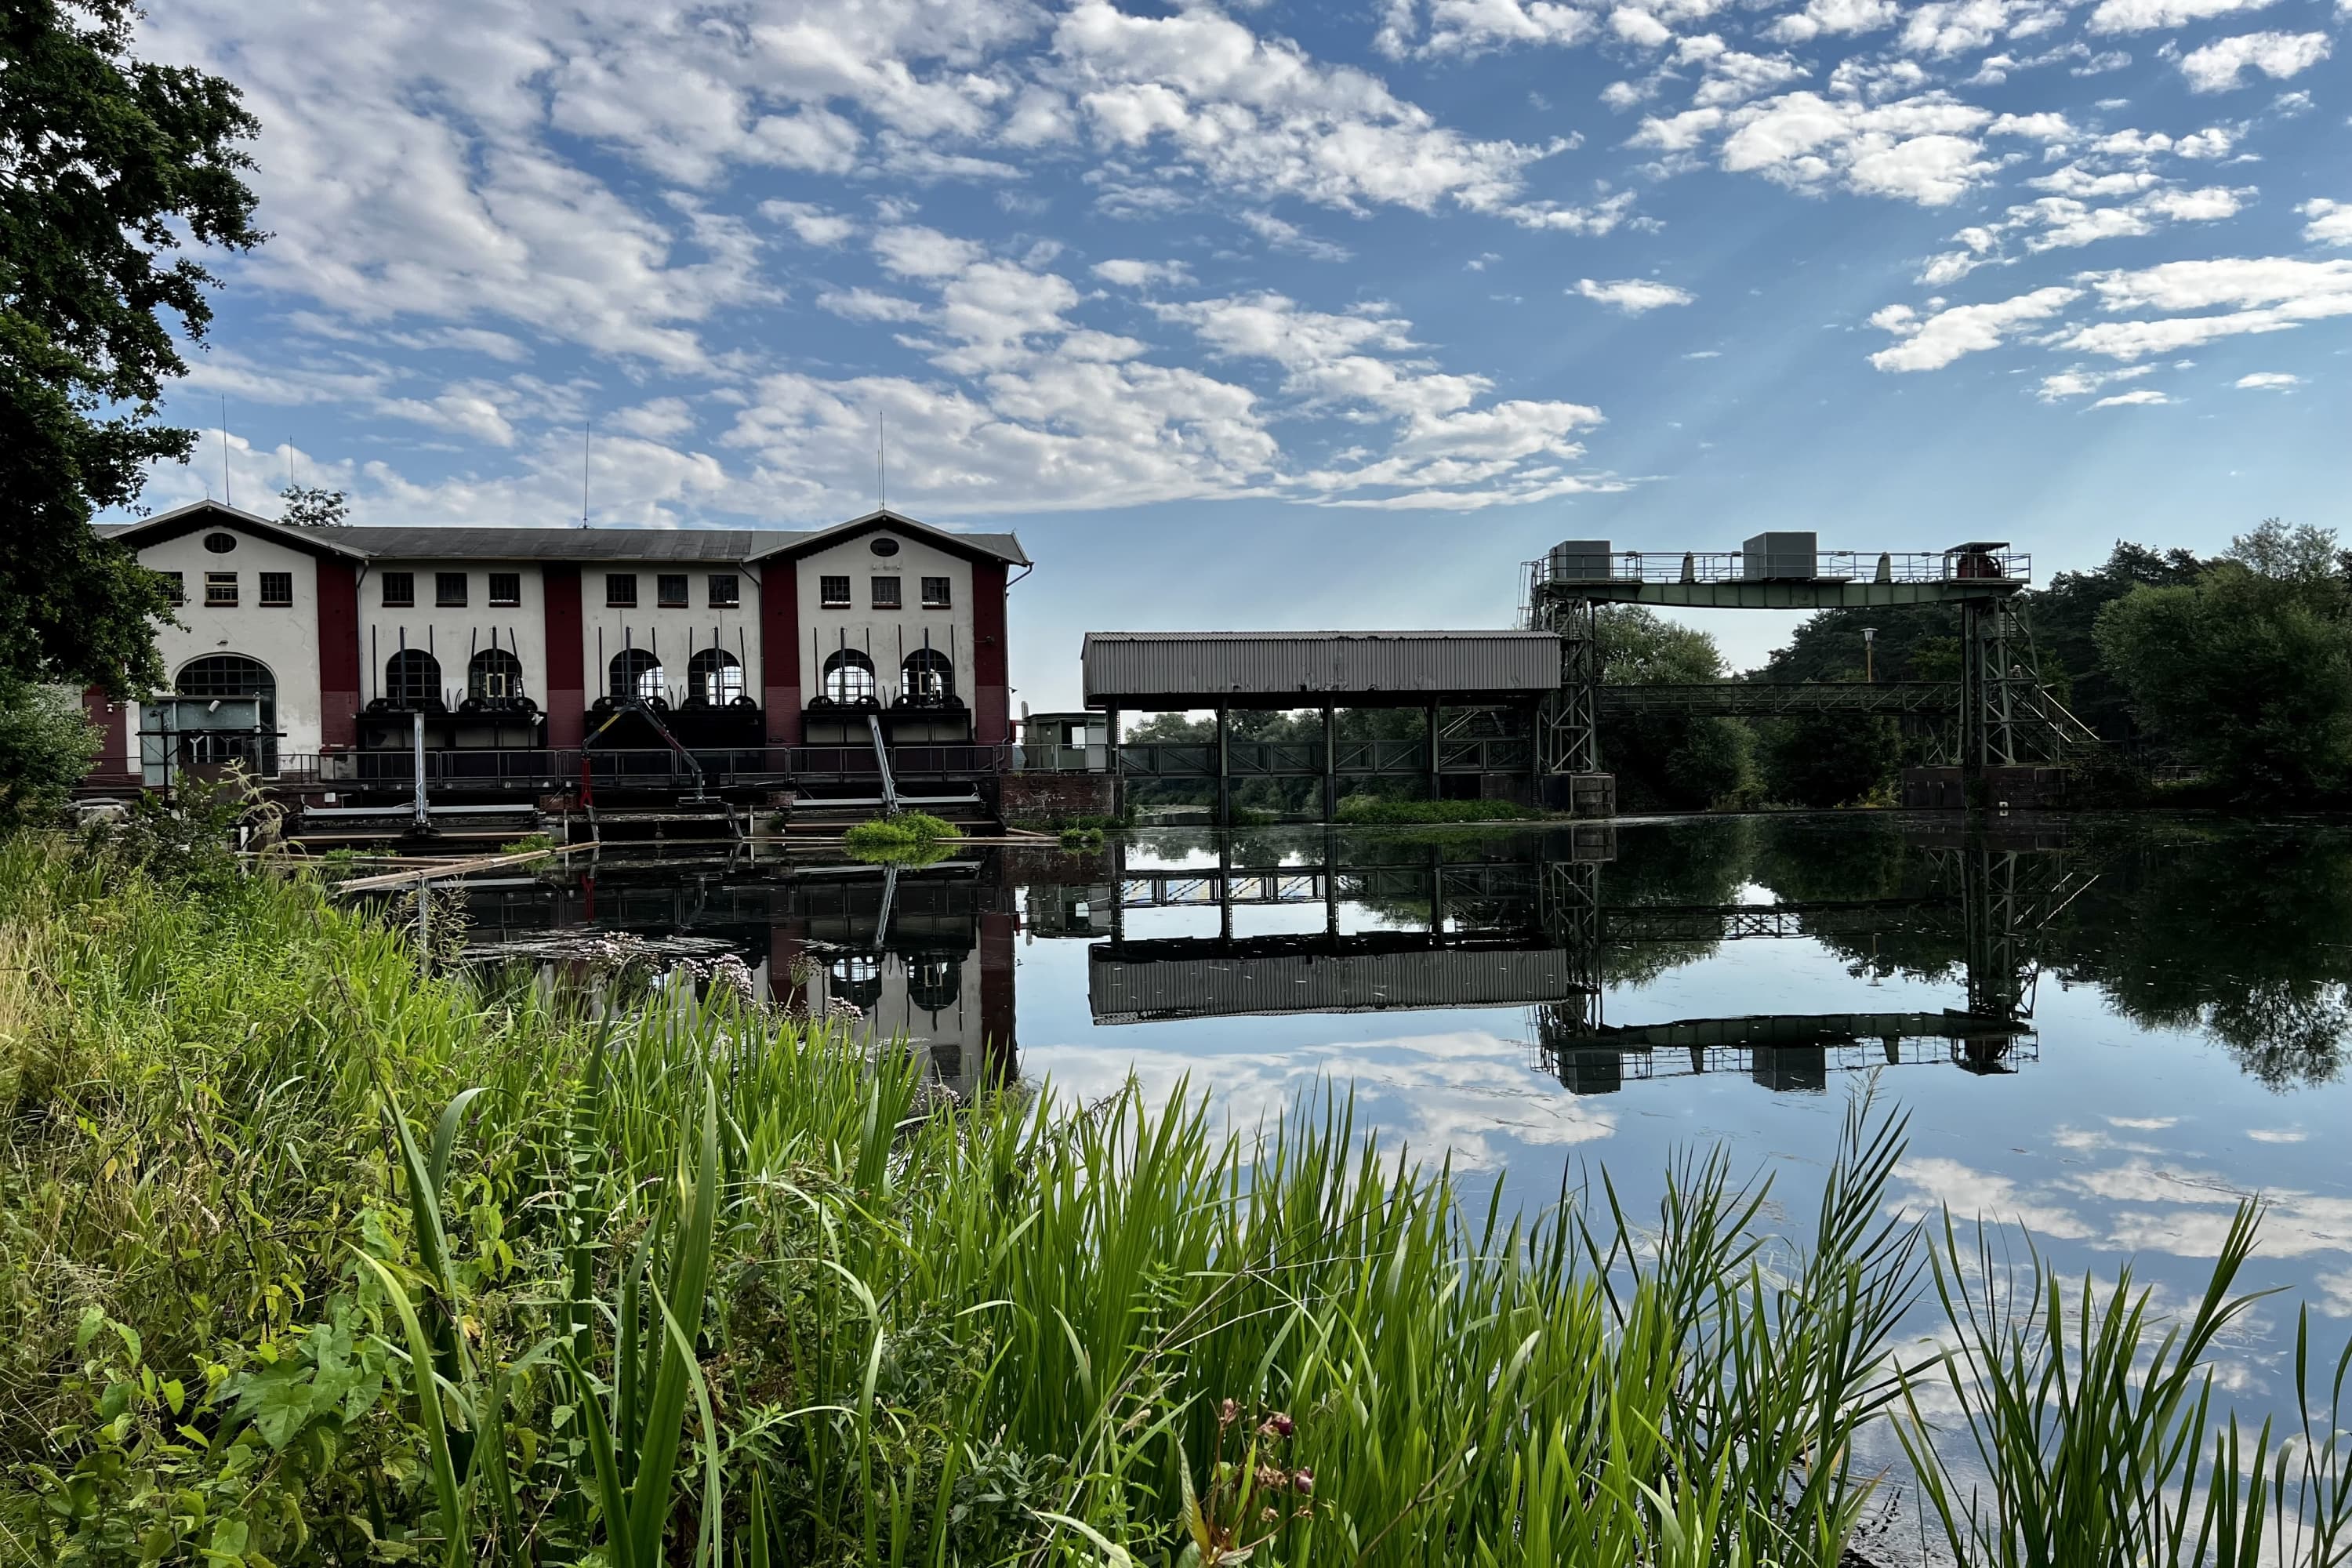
(1869, 641)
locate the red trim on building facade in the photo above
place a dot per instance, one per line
(339, 655)
(991, 698)
(1002, 1052)
(780, 651)
(113, 722)
(567, 692)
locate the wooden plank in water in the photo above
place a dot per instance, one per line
(441, 871)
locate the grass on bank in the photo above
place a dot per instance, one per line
(305, 1260)
(902, 837)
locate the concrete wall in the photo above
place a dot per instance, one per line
(878, 632)
(285, 639)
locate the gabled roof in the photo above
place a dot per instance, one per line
(1003, 547)
(430, 541)
(196, 515)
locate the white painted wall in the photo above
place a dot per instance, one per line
(672, 634)
(285, 639)
(854, 559)
(954, 1033)
(452, 635)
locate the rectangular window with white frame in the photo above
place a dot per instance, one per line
(278, 589)
(220, 590)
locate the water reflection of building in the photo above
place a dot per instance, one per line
(1532, 926)
(924, 955)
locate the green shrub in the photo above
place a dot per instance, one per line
(1081, 838)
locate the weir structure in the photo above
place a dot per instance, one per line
(1530, 927)
(1998, 716)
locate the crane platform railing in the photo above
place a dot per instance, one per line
(1989, 566)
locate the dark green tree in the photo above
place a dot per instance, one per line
(46, 746)
(109, 166)
(1828, 759)
(2247, 670)
(1663, 761)
(307, 506)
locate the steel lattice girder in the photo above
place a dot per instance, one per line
(1762, 700)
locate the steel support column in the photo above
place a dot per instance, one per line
(1434, 721)
(1987, 706)
(1225, 768)
(1568, 734)
(1330, 764)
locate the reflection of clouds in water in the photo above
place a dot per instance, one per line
(2277, 1134)
(1464, 1092)
(2142, 1206)
(2144, 1123)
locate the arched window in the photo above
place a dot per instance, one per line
(714, 677)
(233, 675)
(932, 983)
(494, 675)
(638, 674)
(929, 675)
(411, 679)
(849, 676)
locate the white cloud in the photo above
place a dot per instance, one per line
(1946, 27)
(1257, 115)
(1477, 26)
(1820, 16)
(2331, 222)
(2078, 382)
(2254, 294)
(2268, 381)
(1636, 26)
(813, 225)
(2222, 64)
(1632, 295)
(1282, 234)
(2139, 15)
(1128, 274)
(1926, 148)
(2143, 395)
(1932, 341)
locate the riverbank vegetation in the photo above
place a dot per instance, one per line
(899, 835)
(306, 1259)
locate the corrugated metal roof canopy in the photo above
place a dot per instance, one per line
(1298, 669)
(1121, 989)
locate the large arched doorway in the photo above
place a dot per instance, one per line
(219, 674)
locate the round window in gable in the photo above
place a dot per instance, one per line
(220, 543)
(885, 545)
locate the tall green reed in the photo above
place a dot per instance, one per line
(691, 1282)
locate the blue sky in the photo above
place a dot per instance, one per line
(1286, 315)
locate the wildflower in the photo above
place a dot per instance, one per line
(1302, 1481)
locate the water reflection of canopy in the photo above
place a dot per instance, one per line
(1155, 982)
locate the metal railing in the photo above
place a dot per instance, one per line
(558, 769)
(1304, 759)
(1829, 565)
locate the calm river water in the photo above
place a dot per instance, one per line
(2108, 1030)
